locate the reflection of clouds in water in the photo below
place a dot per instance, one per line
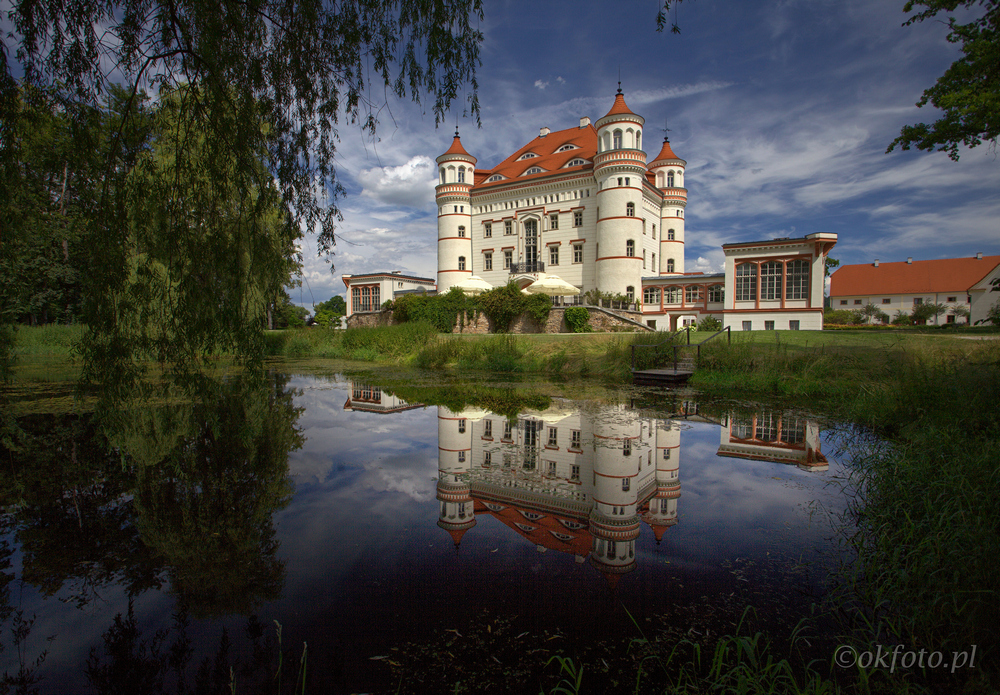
(411, 475)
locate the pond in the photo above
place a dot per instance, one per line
(390, 526)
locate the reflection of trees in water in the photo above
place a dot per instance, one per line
(207, 507)
(186, 490)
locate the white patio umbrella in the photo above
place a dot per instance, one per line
(552, 285)
(474, 285)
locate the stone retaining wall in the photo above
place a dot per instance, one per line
(601, 321)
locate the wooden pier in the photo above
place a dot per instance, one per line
(661, 377)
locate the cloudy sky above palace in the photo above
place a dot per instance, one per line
(783, 112)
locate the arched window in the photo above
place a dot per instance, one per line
(461, 262)
(630, 209)
(629, 248)
(630, 293)
(716, 293)
(654, 231)
(693, 294)
(670, 179)
(670, 265)
(450, 176)
(461, 174)
(653, 266)
(672, 295)
(638, 140)
(441, 175)
(651, 295)
(607, 141)
(617, 140)
(670, 235)
(461, 232)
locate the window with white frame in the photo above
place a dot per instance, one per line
(670, 235)
(651, 295)
(578, 218)
(488, 429)
(488, 260)
(554, 221)
(461, 426)
(574, 473)
(644, 259)
(630, 248)
(487, 230)
(746, 282)
(527, 155)
(670, 265)
(769, 325)
(693, 294)
(797, 279)
(630, 209)
(553, 255)
(770, 280)
(508, 227)
(461, 174)
(672, 295)
(461, 232)
(670, 179)
(630, 293)
(534, 170)
(553, 438)
(576, 162)
(578, 253)
(508, 258)
(461, 262)
(716, 293)
(616, 140)
(748, 325)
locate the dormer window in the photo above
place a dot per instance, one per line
(566, 148)
(527, 155)
(576, 162)
(534, 170)
(495, 177)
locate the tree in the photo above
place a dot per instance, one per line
(871, 313)
(925, 312)
(969, 91)
(266, 84)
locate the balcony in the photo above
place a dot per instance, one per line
(534, 267)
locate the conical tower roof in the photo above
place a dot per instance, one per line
(456, 151)
(666, 152)
(619, 107)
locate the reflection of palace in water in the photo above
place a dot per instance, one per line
(584, 481)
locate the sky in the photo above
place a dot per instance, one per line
(782, 110)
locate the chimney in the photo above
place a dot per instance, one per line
(584, 121)
(876, 263)
(544, 131)
(979, 256)
(909, 261)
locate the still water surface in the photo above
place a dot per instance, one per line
(361, 521)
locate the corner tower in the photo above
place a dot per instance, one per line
(668, 169)
(619, 168)
(456, 169)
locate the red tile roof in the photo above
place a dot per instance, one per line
(665, 152)
(619, 106)
(456, 147)
(548, 159)
(943, 275)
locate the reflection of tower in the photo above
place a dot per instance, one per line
(662, 512)
(614, 525)
(771, 436)
(454, 449)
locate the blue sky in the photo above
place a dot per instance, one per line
(783, 111)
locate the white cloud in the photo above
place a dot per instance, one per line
(410, 184)
(541, 85)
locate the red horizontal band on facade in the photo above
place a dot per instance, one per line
(785, 310)
(608, 258)
(456, 271)
(621, 217)
(453, 238)
(490, 250)
(553, 243)
(441, 448)
(456, 214)
(577, 241)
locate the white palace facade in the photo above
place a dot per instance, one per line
(584, 204)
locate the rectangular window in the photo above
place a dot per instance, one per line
(553, 431)
(630, 248)
(770, 280)
(748, 325)
(554, 221)
(578, 253)
(461, 232)
(950, 318)
(716, 293)
(651, 295)
(461, 426)
(886, 300)
(508, 257)
(506, 430)
(487, 459)
(626, 484)
(666, 454)
(693, 294)
(769, 325)
(488, 261)
(575, 473)
(843, 302)
(574, 440)
(746, 282)
(508, 228)
(578, 218)
(917, 301)
(461, 262)
(552, 469)
(488, 428)
(857, 301)
(952, 299)
(793, 325)
(644, 259)
(487, 230)
(461, 457)
(553, 255)
(797, 279)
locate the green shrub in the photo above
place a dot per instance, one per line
(502, 305)
(442, 311)
(710, 324)
(578, 319)
(388, 341)
(298, 345)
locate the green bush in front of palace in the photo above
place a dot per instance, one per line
(578, 319)
(443, 311)
(503, 305)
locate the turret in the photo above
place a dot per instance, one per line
(620, 168)
(668, 170)
(456, 513)
(456, 168)
(662, 513)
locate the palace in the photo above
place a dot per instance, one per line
(584, 204)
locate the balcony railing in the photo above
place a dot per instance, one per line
(535, 267)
